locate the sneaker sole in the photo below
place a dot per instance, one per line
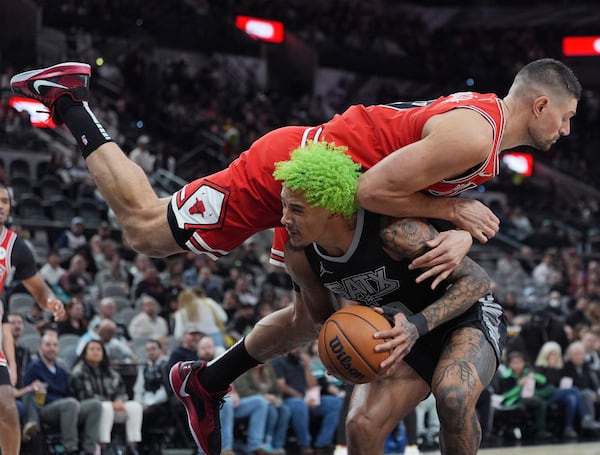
(54, 71)
(183, 401)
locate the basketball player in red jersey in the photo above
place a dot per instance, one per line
(411, 155)
(16, 256)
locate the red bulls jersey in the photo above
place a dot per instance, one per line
(213, 215)
(7, 241)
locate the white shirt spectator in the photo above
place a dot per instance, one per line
(148, 324)
(142, 156)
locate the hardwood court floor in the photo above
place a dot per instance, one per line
(586, 448)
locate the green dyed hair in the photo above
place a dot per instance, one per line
(325, 173)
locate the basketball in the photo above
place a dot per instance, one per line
(347, 346)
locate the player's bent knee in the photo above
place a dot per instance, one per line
(359, 425)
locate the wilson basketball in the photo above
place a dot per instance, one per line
(347, 346)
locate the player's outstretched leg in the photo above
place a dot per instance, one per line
(64, 89)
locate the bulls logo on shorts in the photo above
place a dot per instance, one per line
(203, 207)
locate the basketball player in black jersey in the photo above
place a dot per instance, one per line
(446, 341)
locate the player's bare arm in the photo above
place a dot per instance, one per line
(407, 238)
(44, 296)
(452, 143)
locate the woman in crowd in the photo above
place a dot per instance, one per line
(202, 312)
(92, 377)
(75, 324)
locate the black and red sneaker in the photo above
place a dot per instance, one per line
(48, 84)
(202, 407)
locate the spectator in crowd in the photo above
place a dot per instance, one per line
(59, 406)
(147, 323)
(244, 290)
(22, 355)
(142, 156)
(76, 277)
(71, 239)
(103, 252)
(105, 331)
(93, 377)
(51, 271)
(578, 316)
(549, 363)
(137, 268)
(75, 324)
(545, 274)
(202, 312)
(191, 273)
(330, 385)
(149, 388)
(518, 377)
(107, 309)
(115, 273)
(590, 342)
(294, 379)
(581, 375)
(102, 233)
(188, 347)
(211, 283)
(25, 406)
(557, 304)
(542, 327)
(230, 303)
(521, 223)
(262, 380)
(151, 284)
(243, 320)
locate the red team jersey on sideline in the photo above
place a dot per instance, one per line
(7, 240)
(222, 210)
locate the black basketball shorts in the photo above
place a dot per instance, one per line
(485, 315)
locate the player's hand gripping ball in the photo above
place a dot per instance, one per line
(347, 346)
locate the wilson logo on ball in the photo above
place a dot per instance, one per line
(345, 360)
(347, 346)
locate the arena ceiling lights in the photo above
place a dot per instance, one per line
(261, 29)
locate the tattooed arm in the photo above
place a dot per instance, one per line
(407, 238)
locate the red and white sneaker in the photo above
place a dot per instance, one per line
(48, 84)
(202, 407)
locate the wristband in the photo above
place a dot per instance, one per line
(419, 321)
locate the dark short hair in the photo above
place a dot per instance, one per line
(551, 73)
(517, 355)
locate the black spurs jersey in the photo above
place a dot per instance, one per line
(366, 274)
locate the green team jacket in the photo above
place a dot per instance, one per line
(512, 389)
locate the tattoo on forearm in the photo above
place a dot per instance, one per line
(464, 292)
